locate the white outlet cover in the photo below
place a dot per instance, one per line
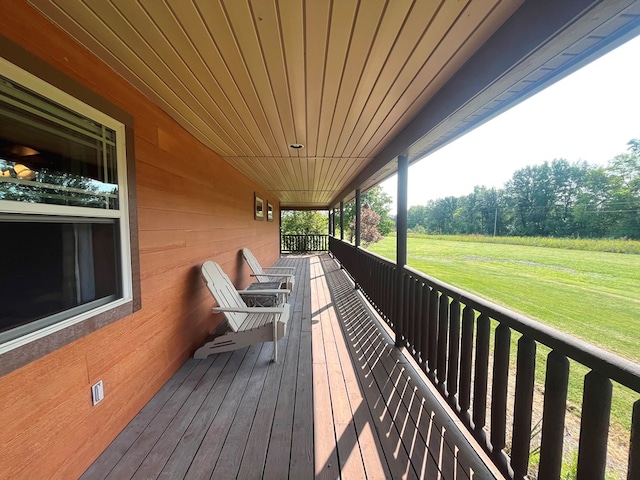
(97, 392)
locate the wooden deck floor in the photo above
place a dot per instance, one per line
(341, 403)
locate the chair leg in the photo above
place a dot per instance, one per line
(275, 341)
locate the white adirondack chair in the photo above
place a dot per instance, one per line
(283, 275)
(246, 325)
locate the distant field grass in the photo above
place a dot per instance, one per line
(592, 244)
(593, 295)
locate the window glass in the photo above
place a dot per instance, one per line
(55, 266)
(50, 154)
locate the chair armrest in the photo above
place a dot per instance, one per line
(263, 292)
(274, 275)
(249, 309)
(288, 269)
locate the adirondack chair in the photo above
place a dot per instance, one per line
(246, 325)
(282, 274)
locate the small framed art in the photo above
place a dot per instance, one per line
(258, 212)
(269, 212)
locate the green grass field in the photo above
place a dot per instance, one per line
(592, 295)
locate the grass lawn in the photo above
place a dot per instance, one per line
(589, 294)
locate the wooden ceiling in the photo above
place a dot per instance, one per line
(357, 82)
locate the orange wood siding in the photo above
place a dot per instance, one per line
(192, 206)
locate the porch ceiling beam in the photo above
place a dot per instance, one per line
(535, 35)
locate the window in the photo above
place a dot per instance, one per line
(64, 229)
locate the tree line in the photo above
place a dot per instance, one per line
(557, 198)
(375, 219)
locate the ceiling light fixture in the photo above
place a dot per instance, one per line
(23, 151)
(296, 145)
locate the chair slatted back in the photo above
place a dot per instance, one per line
(254, 265)
(220, 286)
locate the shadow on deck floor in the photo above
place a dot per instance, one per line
(341, 403)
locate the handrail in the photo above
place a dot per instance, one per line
(303, 243)
(449, 333)
(624, 372)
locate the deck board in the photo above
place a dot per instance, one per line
(117, 449)
(342, 402)
(180, 460)
(171, 437)
(428, 431)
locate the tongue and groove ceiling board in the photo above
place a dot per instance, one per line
(249, 78)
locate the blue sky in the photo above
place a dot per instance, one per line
(590, 115)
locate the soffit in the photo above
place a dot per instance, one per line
(249, 78)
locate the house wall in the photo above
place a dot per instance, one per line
(191, 206)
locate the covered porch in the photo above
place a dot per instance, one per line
(341, 403)
(227, 113)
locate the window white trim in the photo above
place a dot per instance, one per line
(47, 90)
(56, 327)
(26, 79)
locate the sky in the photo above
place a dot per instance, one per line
(589, 115)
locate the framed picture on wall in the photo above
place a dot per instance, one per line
(269, 212)
(258, 212)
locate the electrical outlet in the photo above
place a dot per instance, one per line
(97, 392)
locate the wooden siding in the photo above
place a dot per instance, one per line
(191, 206)
(249, 78)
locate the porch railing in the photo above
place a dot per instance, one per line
(304, 243)
(450, 334)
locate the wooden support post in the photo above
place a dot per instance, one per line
(358, 217)
(341, 220)
(333, 222)
(280, 227)
(401, 239)
(357, 235)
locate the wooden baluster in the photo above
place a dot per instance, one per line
(406, 309)
(370, 290)
(443, 331)
(393, 289)
(633, 471)
(424, 322)
(417, 320)
(410, 314)
(379, 282)
(594, 426)
(400, 319)
(374, 281)
(454, 351)
(377, 286)
(499, 392)
(381, 289)
(555, 407)
(522, 411)
(481, 376)
(364, 274)
(466, 351)
(394, 301)
(433, 332)
(388, 292)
